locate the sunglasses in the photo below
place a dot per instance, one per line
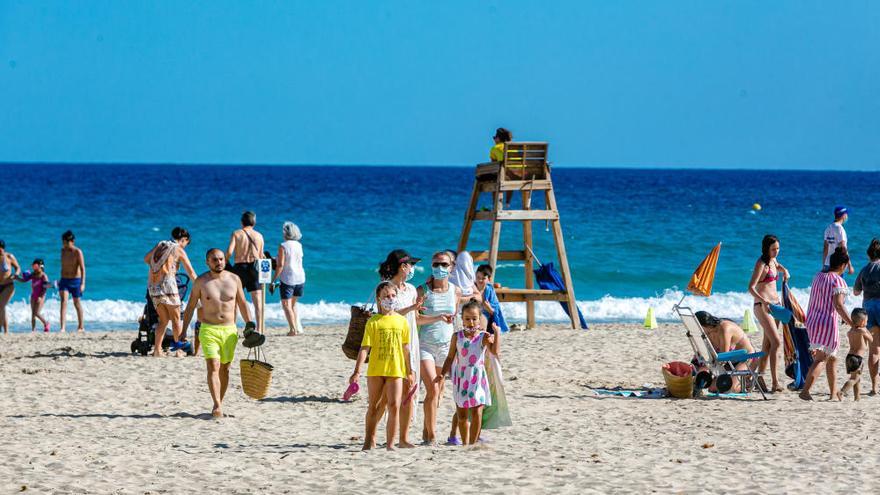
(437, 265)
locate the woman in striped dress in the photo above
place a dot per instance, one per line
(827, 296)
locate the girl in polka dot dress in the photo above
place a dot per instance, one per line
(466, 363)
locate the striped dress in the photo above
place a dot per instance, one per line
(822, 319)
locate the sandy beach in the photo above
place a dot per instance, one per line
(82, 415)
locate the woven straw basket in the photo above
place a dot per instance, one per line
(256, 376)
(681, 387)
(356, 326)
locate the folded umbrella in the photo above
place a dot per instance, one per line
(549, 278)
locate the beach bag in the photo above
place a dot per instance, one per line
(256, 374)
(679, 377)
(356, 326)
(496, 415)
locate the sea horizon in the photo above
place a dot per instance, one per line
(704, 168)
(633, 236)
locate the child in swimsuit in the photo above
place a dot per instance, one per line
(39, 285)
(859, 340)
(466, 362)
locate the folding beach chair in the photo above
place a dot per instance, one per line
(718, 367)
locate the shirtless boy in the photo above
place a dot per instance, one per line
(246, 245)
(73, 279)
(859, 340)
(218, 292)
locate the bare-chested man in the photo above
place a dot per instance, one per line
(246, 244)
(218, 292)
(73, 279)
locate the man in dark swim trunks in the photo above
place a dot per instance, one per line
(73, 279)
(247, 246)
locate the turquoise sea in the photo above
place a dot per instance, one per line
(633, 236)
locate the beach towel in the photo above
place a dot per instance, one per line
(797, 343)
(632, 393)
(497, 316)
(548, 278)
(496, 415)
(463, 274)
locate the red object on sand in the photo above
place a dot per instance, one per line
(411, 392)
(678, 368)
(350, 391)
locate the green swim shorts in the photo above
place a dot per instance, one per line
(218, 341)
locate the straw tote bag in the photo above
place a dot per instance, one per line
(356, 326)
(256, 374)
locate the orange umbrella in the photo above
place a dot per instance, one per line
(701, 281)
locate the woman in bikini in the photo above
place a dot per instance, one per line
(762, 287)
(9, 270)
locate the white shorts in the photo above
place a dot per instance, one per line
(434, 352)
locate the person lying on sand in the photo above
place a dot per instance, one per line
(218, 292)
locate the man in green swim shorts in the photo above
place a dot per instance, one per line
(219, 292)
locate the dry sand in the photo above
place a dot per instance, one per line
(81, 415)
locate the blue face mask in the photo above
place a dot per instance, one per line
(411, 274)
(439, 272)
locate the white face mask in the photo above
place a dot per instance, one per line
(475, 328)
(389, 303)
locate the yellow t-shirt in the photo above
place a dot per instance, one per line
(385, 335)
(496, 153)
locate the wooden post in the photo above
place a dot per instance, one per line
(498, 199)
(563, 260)
(469, 218)
(262, 320)
(527, 247)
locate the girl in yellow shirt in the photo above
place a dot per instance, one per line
(386, 340)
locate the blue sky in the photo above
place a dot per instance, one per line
(778, 84)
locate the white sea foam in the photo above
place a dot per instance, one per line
(117, 314)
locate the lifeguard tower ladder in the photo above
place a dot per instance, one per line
(525, 169)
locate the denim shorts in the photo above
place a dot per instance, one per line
(872, 307)
(288, 291)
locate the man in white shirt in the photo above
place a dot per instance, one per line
(835, 236)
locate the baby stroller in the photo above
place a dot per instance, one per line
(143, 344)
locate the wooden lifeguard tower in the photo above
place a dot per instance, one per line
(524, 168)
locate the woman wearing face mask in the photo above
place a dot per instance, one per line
(399, 268)
(435, 332)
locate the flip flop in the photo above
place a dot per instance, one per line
(412, 392)
(352, 389)
(254, 339)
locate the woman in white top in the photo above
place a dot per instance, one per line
(399, 269)
(289, 269)
(435, 333)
